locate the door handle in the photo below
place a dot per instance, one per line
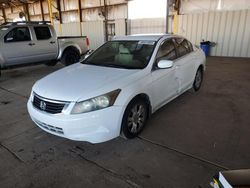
(31, 44)
(52, 42)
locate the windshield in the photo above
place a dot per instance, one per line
(3, 29)
(122, 54)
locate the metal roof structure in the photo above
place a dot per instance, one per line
(11, 3)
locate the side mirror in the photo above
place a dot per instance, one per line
(165, 64)
(86, 56)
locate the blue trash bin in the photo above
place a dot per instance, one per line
(205, 46)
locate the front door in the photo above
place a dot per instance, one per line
(165, 84)
(18, 46)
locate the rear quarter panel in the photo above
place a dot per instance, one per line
(78, 42)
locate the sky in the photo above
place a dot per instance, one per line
(146, 9)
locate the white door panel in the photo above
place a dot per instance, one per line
(185, 70)
(164, 86)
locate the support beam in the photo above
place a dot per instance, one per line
(167, 14)
(26, 10)
(80, 10)
(106, 20)
(175, 23)
(59, 10)
(80, 14)
(42, 11)
(4, 15)
(50, 12)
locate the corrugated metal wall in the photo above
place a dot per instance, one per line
(120, 27)
(148, 25)
(230, 30)
(95, 32)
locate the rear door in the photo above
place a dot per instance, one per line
(185, 64)
(165, 83)
(18, 46)
(46, 45)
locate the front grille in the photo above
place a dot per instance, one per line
(48, 105)
(50, 127)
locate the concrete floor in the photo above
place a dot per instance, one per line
(183, 145)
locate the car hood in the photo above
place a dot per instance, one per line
(81, 81)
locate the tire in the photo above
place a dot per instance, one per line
(134, 118)
(70, 56)
(198, 79)
(51, 63)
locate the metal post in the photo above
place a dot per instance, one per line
(50, 12)
(167, 14)
(26, 10)
(4, 15)
(80, 10)
(106, 20)
(59, 10)
(80, 14)
(42, 12)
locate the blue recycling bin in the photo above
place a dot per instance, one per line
(205, 46)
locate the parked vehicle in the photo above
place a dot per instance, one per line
(32, 42)
(116, 88)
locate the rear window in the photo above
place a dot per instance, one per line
(42, 33)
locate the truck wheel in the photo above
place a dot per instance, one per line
(70, 56)
(51, 63)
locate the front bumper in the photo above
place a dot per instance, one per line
(94, 127)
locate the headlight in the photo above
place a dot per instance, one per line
(96, 103)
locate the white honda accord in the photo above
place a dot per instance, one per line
(116, 88)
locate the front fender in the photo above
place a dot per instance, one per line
(141, 86)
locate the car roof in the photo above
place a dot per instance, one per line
(149, 37)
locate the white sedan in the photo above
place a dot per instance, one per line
(116, 88)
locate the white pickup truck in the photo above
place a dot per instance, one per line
(35, 42)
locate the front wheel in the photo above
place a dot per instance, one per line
(70, 56)
(198, 79)
(134, 118)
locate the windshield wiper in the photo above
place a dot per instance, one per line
(110, 65)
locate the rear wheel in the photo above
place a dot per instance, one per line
(70, 56)
(198, 79)
(134, 118)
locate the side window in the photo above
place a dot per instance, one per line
(18, 34)
(42, 33)
(166, 51)
(182, 46)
